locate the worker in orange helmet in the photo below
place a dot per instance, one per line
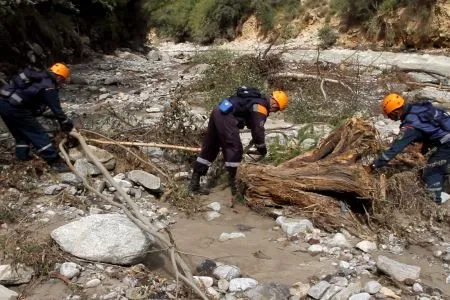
(247, 107)
(26, 96)
(420, 122)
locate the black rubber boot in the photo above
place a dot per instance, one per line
(232, 183)
(194, 185)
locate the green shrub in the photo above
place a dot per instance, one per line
(327, 36)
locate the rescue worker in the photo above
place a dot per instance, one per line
(420, 122)
(248, 107)
(26, 96)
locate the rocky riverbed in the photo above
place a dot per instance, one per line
(237, 253)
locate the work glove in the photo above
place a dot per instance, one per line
(66, 125)
(262, 151)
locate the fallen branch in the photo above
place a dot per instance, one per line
(133, 213)
(431, 73)
(421, 84)
(310, 76)
(165, 146)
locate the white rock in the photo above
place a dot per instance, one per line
(388, 293)
(367, 246)
(223, 285)
(338, 240)
(215, 206)
(211, 215)
(7, 294)
(307, 144)
(70, 178)
(397, 270)
(331, 291)
(123, 183)
(372, 287)
(229, 236)
(70, 269)
(315, 249)
(110, 296)
(318, 290)
(299, 289)
(163, 211)
(145, 179)
(345, 293)
(204, 281)
(361, 296)
(92, 283)
(110, 238)
(227, 272)
(18, 274)
(293, 227)
(344, 264)
(417, 288)
(448, 279)
(339, 281)
(242, 284)
(181, 175)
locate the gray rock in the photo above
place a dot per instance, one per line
(7, 294)
(92, 283)
(299, 289)
(70, 269)
(372, 287)
(147, 180)
(423, 77)
(211, 215)
(18, 274)
(154, 55)
(317, 291)
(104, 96)
(293, 227)
(53, 189)
(417, 288)
(338, 240)
(102, 155)
(430, 93)
(270, 291)
(447, 281)
(215, 206)
(307, 144)
(344, 294)
(85, 168)
(315, 249)
(242, 284)
(229, 236)
(361, 296)
(339, 281)
(70, 178)
(333, 290)
(110, 296)
(366, 246)
(397, 270)
(227, 272)
(109, 238)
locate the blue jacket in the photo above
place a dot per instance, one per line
(420, 123)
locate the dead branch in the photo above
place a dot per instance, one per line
(165, 146)
(431, 73)
(420, 84)
(310, 76)
(133, 214)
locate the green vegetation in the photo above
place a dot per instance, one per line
(327, 36)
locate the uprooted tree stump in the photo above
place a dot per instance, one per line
(328, 184)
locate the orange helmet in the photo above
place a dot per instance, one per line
(392, 102)
(61, 70)
(281, 98)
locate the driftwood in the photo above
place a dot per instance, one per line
(326, 182)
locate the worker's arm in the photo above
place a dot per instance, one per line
(50, 97)
(407, 136)
(256, 124)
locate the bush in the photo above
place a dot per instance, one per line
(327, 36)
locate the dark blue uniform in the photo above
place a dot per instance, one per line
(20, 117)
(420, 124)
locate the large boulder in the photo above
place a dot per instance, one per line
(397, 270)
(15, 274)
(109, 238)
(147, 180)
(7, 294)
(270, 291)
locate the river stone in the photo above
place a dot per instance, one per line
(351, 289)
(338, 240)
(85, 168)
(102, 155)
(372, 287)
(109, 238)
(333, 290)
(318, 290)
(145, 179)
(223, 285)
(230, 236)
(70, 178)
(272, 291)
(299, 289)
(367, 246)
(294, 226)
(242, 284)
(18, 274)
(423, 77)
(204, 281)
(397, 270)
(361, 296)
(7, 294)
(227, 272)
(69, 269)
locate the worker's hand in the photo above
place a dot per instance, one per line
(262, 151)
(66, 125)
(369, 168)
